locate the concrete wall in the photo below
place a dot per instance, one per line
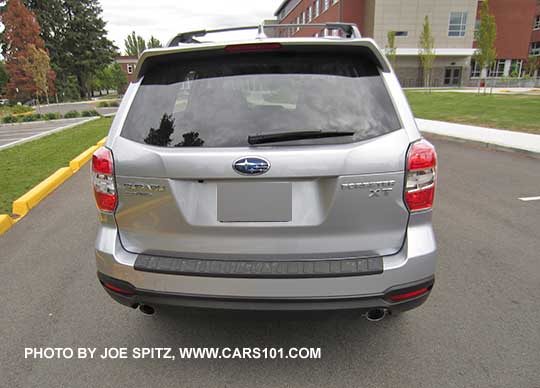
(408, 15)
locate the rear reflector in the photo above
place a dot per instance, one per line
(103, 180)
(239, 48)
(421, 176)
(408, 295)
(119, 290)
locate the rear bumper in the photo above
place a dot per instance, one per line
(139, 297)
(414, 266)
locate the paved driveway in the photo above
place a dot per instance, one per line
(480, 327)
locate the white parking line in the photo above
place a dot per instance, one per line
(526, 199)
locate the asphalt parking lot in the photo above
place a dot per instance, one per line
(480, 327)
(11, 133)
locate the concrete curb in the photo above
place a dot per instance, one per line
(493, 138)
(29, 200)
(81, 160)
(23, 205)
(5, 223)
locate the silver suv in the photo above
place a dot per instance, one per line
(274, 173)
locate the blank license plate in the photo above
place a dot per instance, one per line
(254, 202)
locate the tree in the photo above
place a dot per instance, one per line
(532, 67)
(135, 45)
(38, 65)
(427, 52)
(119, 79)
(391, 47)
(74, 32)
(4, 78)
(485, 54)
(21, 32)
(154, 43)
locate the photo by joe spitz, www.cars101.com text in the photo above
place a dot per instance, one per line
(266, 174)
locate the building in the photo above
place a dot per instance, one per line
(518, 36)
(128, 65)
(452, 22)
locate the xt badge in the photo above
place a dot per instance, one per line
(376, 189)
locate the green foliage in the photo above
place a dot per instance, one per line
(3, 77)
(90, 113)
(154, 43)
(74, 32)
(52, 116)
(118, 78)
(114, 104)
(10, 119)
(391, 47)
(135, 44)
(427, 51)
(31, 117)
(72, 114)
(485, 54)
(68, 89)
(103, 104)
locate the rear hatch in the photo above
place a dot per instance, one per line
(255, 152)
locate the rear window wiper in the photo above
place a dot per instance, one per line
(299, 135)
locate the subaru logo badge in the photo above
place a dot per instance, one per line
(251, 165)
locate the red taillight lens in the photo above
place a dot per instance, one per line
(103, 180)
(421, 176)
(239, 48)
(408, 295)
(102, 161)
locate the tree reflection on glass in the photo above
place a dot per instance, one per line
(191, 139)
(161, 136)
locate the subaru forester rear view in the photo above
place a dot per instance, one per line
(273, 173)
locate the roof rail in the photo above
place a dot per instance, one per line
(350, 29)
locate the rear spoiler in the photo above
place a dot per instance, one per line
(150, 58)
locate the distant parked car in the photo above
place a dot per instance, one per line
(281, 173)
(4, 101)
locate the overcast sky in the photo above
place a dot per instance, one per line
(165, 18)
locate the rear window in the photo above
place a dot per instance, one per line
(220, 101)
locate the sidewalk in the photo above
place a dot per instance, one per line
(508, 139)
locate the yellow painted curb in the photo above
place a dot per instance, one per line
(29, 200)
(5, 223)
(80, 160)
(102, 142)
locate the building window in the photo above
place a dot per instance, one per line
(317, 8)
(401, 33)
(536, 25)
(334, 1)
(497, 70)
(475, 69)
(326, 5)
(304, 17)
(130, 69)
(458, 24)
(516, 68)
(535, 48)
(310, 14)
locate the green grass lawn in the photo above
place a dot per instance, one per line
(516, 113)
(24, 166)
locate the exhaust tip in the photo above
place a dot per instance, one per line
(145, 309)
(376, 315)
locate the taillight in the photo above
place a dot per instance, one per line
(103, 180)
(421, 176)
